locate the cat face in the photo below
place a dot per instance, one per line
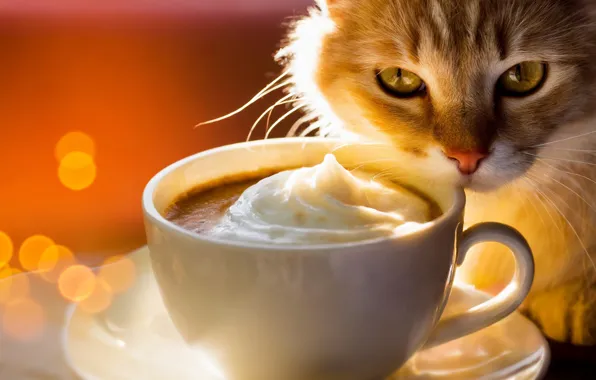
(470, 89)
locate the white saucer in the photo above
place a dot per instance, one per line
(152, 349)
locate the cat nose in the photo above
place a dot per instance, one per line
(467, 161)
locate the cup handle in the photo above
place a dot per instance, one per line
(504, 303)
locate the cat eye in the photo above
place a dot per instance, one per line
(522, 79)
(400, 83)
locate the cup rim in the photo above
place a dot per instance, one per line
(151, 213)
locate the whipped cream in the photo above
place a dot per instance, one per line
(321, 204)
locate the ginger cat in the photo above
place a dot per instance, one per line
(496, 95)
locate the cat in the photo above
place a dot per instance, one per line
(496, 95)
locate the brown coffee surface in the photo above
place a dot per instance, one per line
(201, 208)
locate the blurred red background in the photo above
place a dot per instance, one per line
(136, 78)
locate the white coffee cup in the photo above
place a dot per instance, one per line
(352, 311)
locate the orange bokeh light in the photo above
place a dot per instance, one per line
(75, 141)
(6, 249)
(99, 300)
(13, 285)
(54, 261)
(77, 170)
(23, 319)
(32, 249)
(76, 283)
(118, 272)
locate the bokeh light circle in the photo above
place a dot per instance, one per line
(23, 319)
(31, 251)
(13, 285)
(6, 249)
(54, 260)
(118, 272)
(99, 300)
(75, 141)
(76, 283)
(77, 170)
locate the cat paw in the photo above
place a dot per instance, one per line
(565, 314)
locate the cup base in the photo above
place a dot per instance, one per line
(155, 350)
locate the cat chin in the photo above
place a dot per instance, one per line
(486, 181)
(479, 186)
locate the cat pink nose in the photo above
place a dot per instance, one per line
(467, 161)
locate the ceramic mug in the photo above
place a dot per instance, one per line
(350, 311)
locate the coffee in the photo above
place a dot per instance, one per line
(321, 204)
(200, 209)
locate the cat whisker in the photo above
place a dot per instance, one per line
(273, 82)
(254, 126)
(561, 159)
(342, 146)
(571, 190)
(351, 144)
(589, 151)
(311, 128)
(363, 164)
(271, 87)
(562, 140)
(271, 111)
(523, 200)
(304, 119)
(326, 128)
(282, 118)
(534, 186)
(583, 246)
(529, 198)
(386, 173)
(566, 171)
(573, 229)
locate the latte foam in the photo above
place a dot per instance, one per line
(321, 204)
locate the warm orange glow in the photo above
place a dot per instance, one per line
(54, 261)
(12, 285)
(99, 300)
(23, 319)
(77, 170)
(118, 272)
(32, 249)
(76, 283)
(140, 123)
(74, 142)
(6, 249)
(7, 272)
